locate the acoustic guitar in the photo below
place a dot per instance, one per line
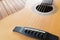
(39, 14)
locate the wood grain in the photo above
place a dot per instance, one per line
(8, 7)
(27, 18)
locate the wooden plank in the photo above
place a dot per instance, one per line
(3, 10)
(6, 6)
(10, 7)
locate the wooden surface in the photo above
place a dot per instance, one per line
(8, 7)
(28, 18)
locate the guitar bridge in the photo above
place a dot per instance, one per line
(35, 33)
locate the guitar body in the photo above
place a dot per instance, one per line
(27, 17)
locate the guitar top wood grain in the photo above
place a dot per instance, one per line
(27, 17)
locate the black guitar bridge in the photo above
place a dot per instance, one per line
(35, 33)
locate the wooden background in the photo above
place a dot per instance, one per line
(8, 7)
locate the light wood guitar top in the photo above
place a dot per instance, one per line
(28, 18)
